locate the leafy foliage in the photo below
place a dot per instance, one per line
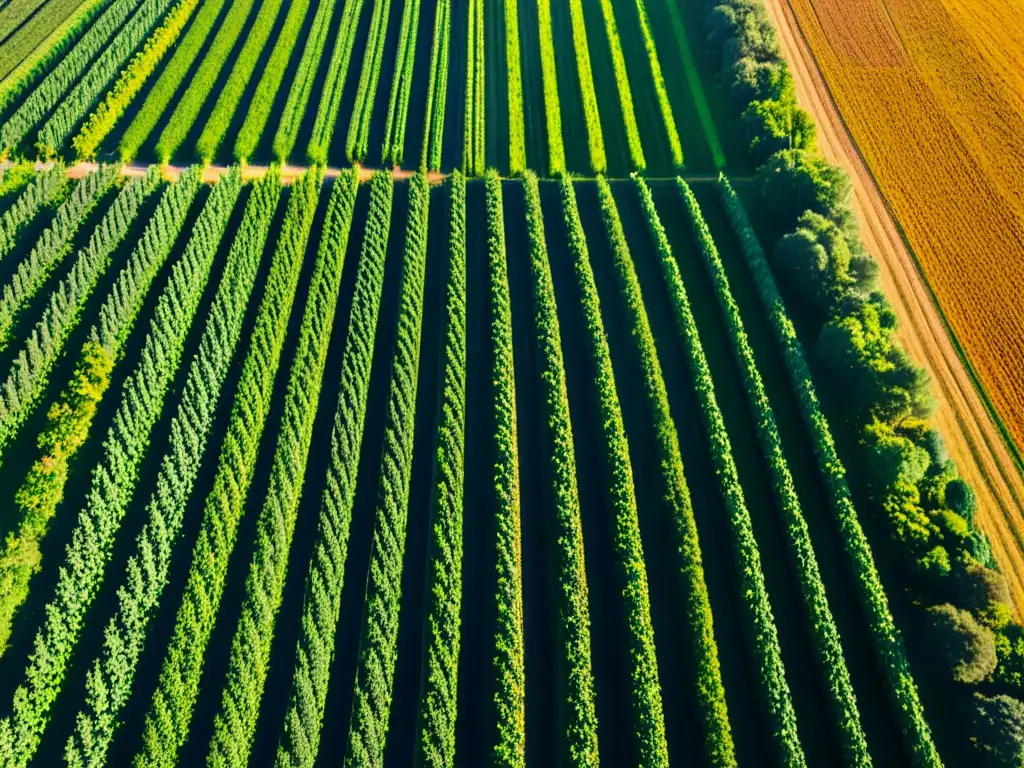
(42, 190)
(549, 79)
(595, 137)
(437, 88)
(474, 158)
(358, 141)
(401, 85)
(636, 150)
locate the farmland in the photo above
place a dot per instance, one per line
(464, 383)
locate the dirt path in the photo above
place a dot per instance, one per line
(973, 439)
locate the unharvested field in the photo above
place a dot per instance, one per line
(933, 94)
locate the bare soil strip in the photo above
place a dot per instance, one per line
(973, 438)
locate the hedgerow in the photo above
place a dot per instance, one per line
(393, 149)
(516, 124)
(159, 96)
(574, 608)
(112, 673)
(258, 109)
(474, 158)
(549, 78)
(510, 675)
(888, 643)
(231, 94)
(437, 88)
(43, 189)
(303, 722)
(167, 722)
(302, 84)
(235, 723)
(659, 85)
(202, 83)
(31, 369)
(636, 150)
(358, 141)
(439, 697)
(595, 136)
(111, 490)
(69, 420)
(378, 648)
(128, 85)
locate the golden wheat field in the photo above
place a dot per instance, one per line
(933, 93)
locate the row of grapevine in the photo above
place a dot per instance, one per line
(334, 83)
(659, 85)
(303, 722)
(43, 189)
(52, 246)
(47, 93)
(14, 13)
(110, 493)
(31, 368)
(510, 674)
(302, 84)
(129, 83)
(549, 78)
(70, 419)
(636, 150)
(200, 88)
(474, 156)
(516, 124)
(262, 101)
(438, 699)
(874, 603)
(595, 135)
(378, 648)
(185, 53)
(109, 681)
(827, 643)
(761, 624)
(24, 40)
(393, 149)
(167, 722)
(357, 143)
(73, 108)
(235, 723)
(230, 96)
(437, 88)
(574, 608)
(618, 480)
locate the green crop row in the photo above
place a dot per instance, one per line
(357, 143)
(201, 86)
(249, 659)
(42, 190)
(437, 88)
(474, 156)
(827, 643)
(70, 419)
(659, 85)
(230, 98)
(27, 33)
(128, 84)
(393, 149)
(888, 644)
(73, 107)
(109, 681)
(595, 136)
(549, 78)
(574, 609)
(31, 369)
(516, 125)
(759, 622)
(303, 722)
(636, 150)
(302, 84)
(718, 741)
(166, 86)
(14, 13)
(262, 101)
(167, 723)
(51, 247)
(110, 492)
(48, 93)
(378, 648)
(334, 83)
(510, 674)
(439, 697)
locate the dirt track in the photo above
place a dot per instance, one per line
(974, 440)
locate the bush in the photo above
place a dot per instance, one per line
(772, 125)
(815, 260)
(966, 647)
(794, 181)
(961, 499)
(997, 730)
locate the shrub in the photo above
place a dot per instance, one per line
(965, 646)
(997, 730)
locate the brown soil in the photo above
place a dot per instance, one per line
(973, 438)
